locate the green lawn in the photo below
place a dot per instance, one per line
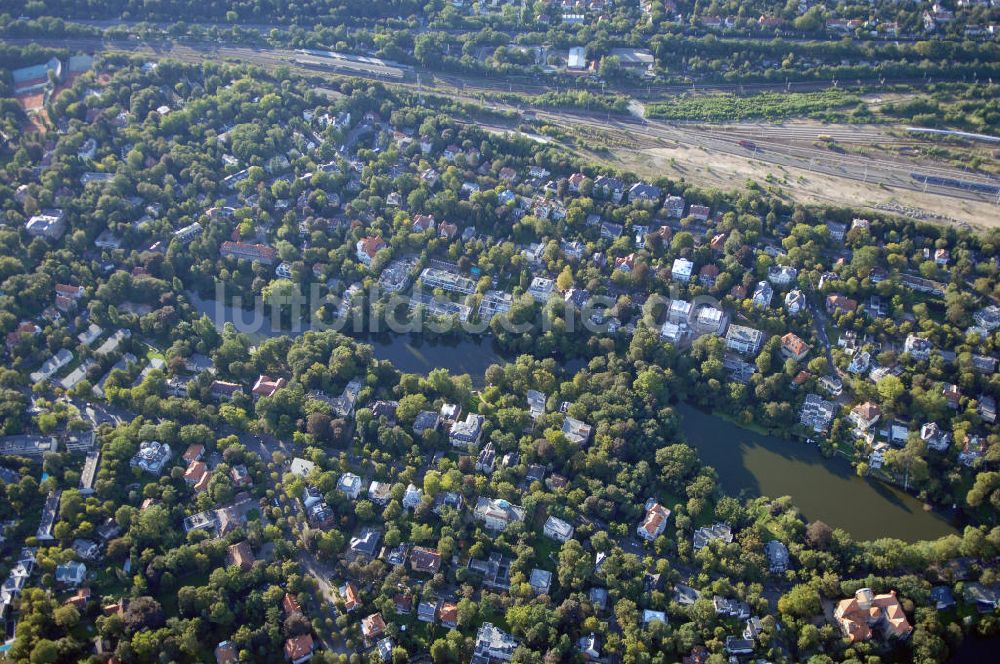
(544, 548)
(770, 105)
(154, 353)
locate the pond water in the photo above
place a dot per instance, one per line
(747, 462)
(410, 353)
(825, 489)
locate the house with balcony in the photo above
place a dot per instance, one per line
(496, 513)
(744, 340)
(682, 270)
(467, 434)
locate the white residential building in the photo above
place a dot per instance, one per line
(682, 270)
(541, 289)
(151, 457)
(795, 301)
(781, 275)
(493, 645)
(557, 529)
(744, 340)
(467, 434)
(412, 497)
(350, 485)
(496, 514)
(710, 320)
(762, 295)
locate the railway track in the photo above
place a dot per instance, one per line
(643, 134)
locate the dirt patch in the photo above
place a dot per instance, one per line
(726, 171)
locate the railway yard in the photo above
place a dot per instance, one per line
(873, 165)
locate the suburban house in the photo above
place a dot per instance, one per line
(412, 497)
(50, 224)
(918, 347)
(257, 253)
(486, 460)
(762, 295)
(793, 347)
(541, 289)
(838, 304)
(368, 247)
(557, 529)
(349, 594)
(865, 415)
(350, 485)
(781, 275)
(817, 413)
(699, 212)
(194, 452)
(744, 340)
(447, 614)
(267, 386)
(576, 432)
(221, 389)
(493, 645)
(151, 457)
(71, 574)
(717, 531)
(536, 403)
(674, 206)
(682, 270)
(496, 513)
(866, 615)
(934, 437)
(777, 556)
(424, 560)
(372, 627)
(795, 301)
(379, 492)
(225, 653)
(655, 521)
(467, 434)
(197, 476)
(641, 192)
(710, 320)
(365, 543)
(540, 581)
(240, 555)
(426, 420)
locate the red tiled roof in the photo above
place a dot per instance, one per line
(299, 646)
(290, 604)
(372, 245)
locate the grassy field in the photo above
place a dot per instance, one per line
(829, 105)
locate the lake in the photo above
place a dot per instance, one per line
(410, 353)
(829, 490)
(747, 462)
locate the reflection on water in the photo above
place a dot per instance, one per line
(747, 462)
(415, 354)
(408, 353)
(824, 489)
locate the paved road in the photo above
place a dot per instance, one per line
(819, 321)
(264, 445)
